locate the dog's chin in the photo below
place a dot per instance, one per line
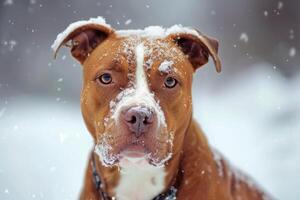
(133, 154)
(114, 146)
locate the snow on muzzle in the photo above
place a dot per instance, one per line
(139, 121)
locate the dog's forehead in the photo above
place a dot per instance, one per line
(156, 51)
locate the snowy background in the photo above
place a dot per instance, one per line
(250, 112)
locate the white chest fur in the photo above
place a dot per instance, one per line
(139, 180)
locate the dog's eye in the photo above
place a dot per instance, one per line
(170, 82)
(105, 78)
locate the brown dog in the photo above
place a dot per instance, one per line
(136, 103)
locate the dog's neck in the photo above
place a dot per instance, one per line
(169, 194)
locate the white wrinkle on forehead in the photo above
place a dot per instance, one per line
(140, 77)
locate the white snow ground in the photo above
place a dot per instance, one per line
(254, 122)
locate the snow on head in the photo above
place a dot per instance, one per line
(150, 31)
(158, 31)
(166, 66)
(63, 35)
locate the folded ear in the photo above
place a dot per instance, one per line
(197, 47)
(83, 37)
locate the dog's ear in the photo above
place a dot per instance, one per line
(82, 39)
(197, 47)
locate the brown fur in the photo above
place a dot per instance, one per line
(192, 168)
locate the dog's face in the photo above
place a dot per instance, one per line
(136, 96)
(131, 95)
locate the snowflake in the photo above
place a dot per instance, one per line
(8, 2)
(280, 5)
(291, 34)
(292, 52)
(128, 22)
(11, 44)
(244, 37)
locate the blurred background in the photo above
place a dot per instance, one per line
(250, 112)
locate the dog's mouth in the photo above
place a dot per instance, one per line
(137, 151)
(133, 154)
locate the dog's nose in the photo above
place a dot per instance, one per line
(139, 119)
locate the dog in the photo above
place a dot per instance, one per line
(136, 102)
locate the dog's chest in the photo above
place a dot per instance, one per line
(140, 181)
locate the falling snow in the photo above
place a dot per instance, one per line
(291, 36)
(128, 22)
(280, 5)
(32, 1)
(244, 37)
(292, 52)
(8, 2)
(11, 44)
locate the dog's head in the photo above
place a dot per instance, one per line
(136, 95)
